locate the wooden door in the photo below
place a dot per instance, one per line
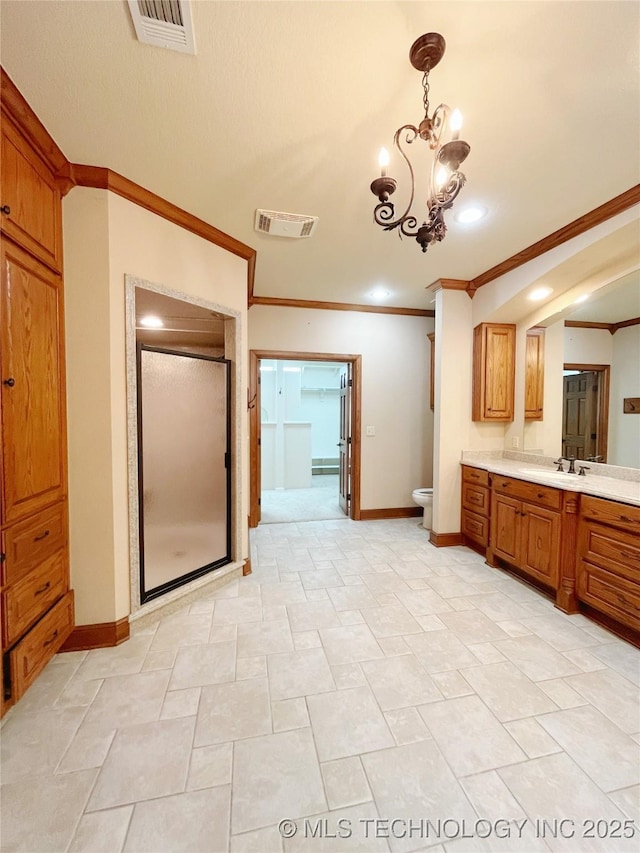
(580, 414)
(344, 445)
(505, 527)
(32, 390)
(540, 543)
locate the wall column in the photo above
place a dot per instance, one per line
(452, 415)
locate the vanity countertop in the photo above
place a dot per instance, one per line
(536, 469)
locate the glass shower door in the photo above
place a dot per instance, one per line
(183, 467)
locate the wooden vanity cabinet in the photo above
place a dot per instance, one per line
(534, 376)
(494, 358)
(526, 528)
(608, 568)
(476, 503)
(36, 602)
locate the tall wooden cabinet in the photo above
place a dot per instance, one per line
(37, 604)
(534, 376)
(494, 359)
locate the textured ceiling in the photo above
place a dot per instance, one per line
(286, 104)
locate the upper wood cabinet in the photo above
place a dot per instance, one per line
(534, 375)
(30, 200)
(494, 350)
(32, 390)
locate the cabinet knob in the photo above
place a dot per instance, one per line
(5, 209)
(10, 382)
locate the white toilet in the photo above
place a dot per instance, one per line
(424, 498)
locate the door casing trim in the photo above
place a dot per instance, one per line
(254, 413)
(603, 403)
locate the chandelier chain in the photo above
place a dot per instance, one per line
(425, 96)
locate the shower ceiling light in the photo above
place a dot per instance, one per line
(445, 181)
(150, 321)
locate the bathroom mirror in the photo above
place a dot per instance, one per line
(591, 365)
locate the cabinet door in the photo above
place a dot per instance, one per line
(32, 390)
(29, 192)
(534, 375)
(505, 528)
(540, 544)
(493, 372)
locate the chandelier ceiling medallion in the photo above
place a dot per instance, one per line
(445, 180)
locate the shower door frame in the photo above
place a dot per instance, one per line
(168, 586)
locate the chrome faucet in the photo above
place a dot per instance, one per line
(572, 464)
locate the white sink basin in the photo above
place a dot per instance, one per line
(545, 474)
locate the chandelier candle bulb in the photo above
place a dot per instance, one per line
(456, 124)
(383, 162)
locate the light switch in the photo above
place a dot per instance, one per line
(371, 430)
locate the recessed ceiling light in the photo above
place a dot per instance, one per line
(540, 293)
(380, 293)
(151, 321)
(470, 214)
(582, 298)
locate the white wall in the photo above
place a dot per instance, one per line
(395, 387)
(105, 238)
(587, 346)
(624, 429)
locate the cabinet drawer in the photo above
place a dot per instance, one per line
(612, 549)
(28, 543)
(33, 595)
(475, 475)
(29, 191)
(475, 527)
(624, 516)
(532, 492)
(36, 649)
(475, 498)
(610, 593)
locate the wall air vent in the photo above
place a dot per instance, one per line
(278, 224)
(164, 23)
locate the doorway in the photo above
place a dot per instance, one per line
(585, 411)
(282, 386)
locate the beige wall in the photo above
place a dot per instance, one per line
(107, 237)
(587, 346)
(624, 429)
(395, 387)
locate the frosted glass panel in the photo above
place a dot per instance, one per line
(183, 477)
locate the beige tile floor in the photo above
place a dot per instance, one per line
(380, 693)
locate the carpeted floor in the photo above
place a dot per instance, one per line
(319, 503)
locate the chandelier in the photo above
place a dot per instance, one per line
(445, 180)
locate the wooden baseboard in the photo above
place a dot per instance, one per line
(445, 540)
(246, 569)
(98, 636)
(393, 512)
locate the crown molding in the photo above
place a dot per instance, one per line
(339, 306)
(594, 217)
(609, 327)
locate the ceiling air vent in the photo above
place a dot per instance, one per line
(285, 224)
(164, 23)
